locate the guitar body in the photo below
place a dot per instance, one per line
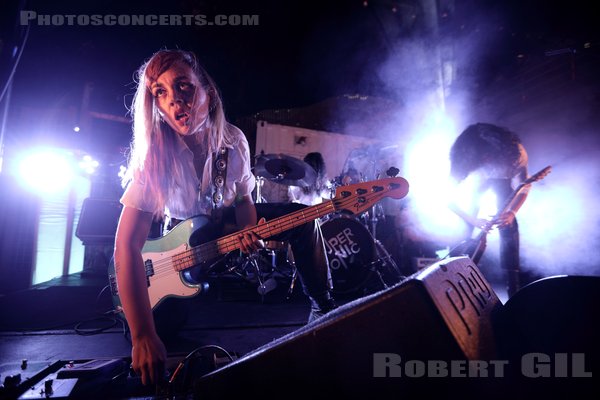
(163, 279)
(467, 247)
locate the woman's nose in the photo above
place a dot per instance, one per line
(176, 98)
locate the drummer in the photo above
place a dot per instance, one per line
(316, 192)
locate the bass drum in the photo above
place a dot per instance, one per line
(351, 252)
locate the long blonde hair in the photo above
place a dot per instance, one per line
(153, 154)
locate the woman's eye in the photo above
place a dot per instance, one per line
(158, 92)
(186, 86)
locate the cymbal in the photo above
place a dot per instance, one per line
(285, 170)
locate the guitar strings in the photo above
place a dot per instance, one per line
(209, 250)
(170, 265)
(173, 264)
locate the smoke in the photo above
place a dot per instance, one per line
(560, 226)
(445, 85)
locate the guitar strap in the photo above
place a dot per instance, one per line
(219, 178)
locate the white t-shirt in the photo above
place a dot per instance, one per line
(240, 181)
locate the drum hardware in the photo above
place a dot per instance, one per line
(370, 217)
(263, 267)
(285, 170)
(367, 163)
(260, 181)
(292, 283)
(265, 282)
(388, 264)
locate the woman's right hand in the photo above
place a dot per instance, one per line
(148, 357)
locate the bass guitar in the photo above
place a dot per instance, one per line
(169, 259)
(475, 247)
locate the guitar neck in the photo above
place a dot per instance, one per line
(354, 198)
(276, 226)
(511, 198)
(534, 178)
(213, 249)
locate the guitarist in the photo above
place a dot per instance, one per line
(186, 160)
(496, 160)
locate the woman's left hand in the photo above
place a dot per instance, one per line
(250, 241)
(505, 219)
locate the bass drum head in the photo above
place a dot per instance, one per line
(351, 253)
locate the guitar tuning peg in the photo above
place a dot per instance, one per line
(392, 172)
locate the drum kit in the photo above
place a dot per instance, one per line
(359, 262)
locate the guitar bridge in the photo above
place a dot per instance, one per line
(149, 270)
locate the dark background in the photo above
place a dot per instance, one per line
(302, 52)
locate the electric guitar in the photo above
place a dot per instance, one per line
(475, 247)
(169, 259)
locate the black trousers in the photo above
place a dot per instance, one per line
(509, 256)
(509, 239)
(307, 245)
(306, 242)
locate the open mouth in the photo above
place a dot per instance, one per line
(183, 117)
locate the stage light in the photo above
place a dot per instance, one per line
(427, 167)
(88, 164)
(47, 170)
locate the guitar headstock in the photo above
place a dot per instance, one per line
(538, 176)
(359, 197)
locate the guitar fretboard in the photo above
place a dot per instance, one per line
(354, 198)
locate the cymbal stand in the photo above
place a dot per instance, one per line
(387, 260)
(265, 281)
(391, 172)
(292, 284)
(373, 216)
(383, 256)
(260, 181)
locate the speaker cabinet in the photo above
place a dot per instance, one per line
(442, 313)
(98, 221)
(550, 330)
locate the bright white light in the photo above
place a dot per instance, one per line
(47, 170)
(88, 164)
(488, 205)
(76, 129)
(427, 167)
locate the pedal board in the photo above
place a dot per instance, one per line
(64, 379)
(101, 378)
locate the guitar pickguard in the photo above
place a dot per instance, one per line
(163, 279)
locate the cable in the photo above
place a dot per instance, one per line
(119, 317)
(90, 332)
(112, 316)
(193, 353)
(14, 68)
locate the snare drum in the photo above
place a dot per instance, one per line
(351, 252)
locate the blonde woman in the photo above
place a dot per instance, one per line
(180, 135)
